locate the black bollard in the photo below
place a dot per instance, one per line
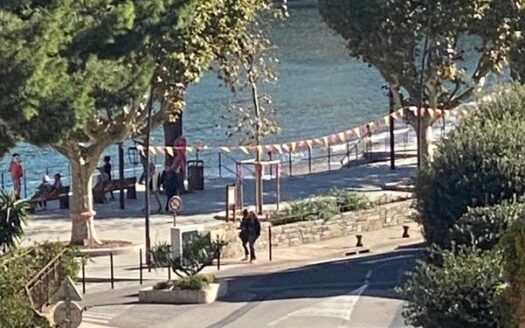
(112, 273)
(218, 258)
(405, 232)
(83, 275)
(359, 241)
(270, 243)
(140, 266)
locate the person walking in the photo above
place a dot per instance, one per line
(243, 235)
(253, 227)
(107, 169)
(154, 184)
(169, 183)
(17, 172)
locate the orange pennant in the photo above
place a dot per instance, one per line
(286, 148)
(279, 149)
(309, 143)
(169, 150)
(326, 141)
(357, 132)
(244, 149)
(292, 146)
(342, 136)
(152, 150)
(225, 149)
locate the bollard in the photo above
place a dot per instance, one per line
(140, 266)
(290, 163)
(220, 165)
(169, 273)
(405, 232)
(83, 275)
(111, 265)
(270, 243)
(218, 258)
(359, 241)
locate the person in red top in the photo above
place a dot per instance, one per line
(17, 172)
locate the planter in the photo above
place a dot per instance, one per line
(183, 296)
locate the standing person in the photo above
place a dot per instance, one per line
(244, 233)
(101, 185)
(154, 184)
(17, 172)
(107, 169)
(253, 227)
(169, 183)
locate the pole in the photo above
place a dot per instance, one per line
(83, 275)
(309, 159)
(290, 163)
(220, 164)
(421, 94)
(111, 268)
(121, 175)
(146, 200)
(270, 243)
(329, 158)
(140, 266)
(392, 141)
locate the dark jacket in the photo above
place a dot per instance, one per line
(253, 228)
(169, 181)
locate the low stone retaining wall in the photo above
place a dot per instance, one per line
(344, 224)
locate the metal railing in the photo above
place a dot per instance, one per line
(46, 282)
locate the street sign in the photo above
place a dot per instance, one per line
(175, 203)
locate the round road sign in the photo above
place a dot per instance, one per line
(175, 203)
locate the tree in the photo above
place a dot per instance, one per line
(389, 35)
(479, 164)
(249, 65)
(76, 75)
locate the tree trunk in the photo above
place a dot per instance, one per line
(427, 146)
(82, 213)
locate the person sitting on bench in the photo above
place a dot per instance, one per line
(42, 192)
(102, 183)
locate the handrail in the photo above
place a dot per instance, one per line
(40, 300)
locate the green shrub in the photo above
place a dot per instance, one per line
(163, 285)
(465, 291)
(161, 255)
(313, 209)
(479, 164)
(16, 269)
(513, 245)
(350, 201)
(483, 227)
(13, 215)
(197, 282)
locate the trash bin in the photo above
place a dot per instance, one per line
(195, 175)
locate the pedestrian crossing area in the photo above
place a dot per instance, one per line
(102, 315)
(338, 307)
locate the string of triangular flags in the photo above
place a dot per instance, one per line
(325, 141)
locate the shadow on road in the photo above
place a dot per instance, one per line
(381, 273)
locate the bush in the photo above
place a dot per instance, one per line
(480, 164)
(483, 227)
(513, 245)
(161, 255)
(197, 282)
(351, 201)
(13, 214)
(16, 269)
(312, 209)
(465, 291)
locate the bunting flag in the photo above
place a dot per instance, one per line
(357, 132)
(244, 149)
(292, 146)
(331, 139)
(309, 143)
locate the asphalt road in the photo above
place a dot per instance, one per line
(340, 293)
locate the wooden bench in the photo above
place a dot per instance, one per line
(62, 196)
(128, 183)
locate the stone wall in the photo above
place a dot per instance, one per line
(293, 234)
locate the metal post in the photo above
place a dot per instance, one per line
(270, 243)
(197, 154)
(140, 266)
(121, 175)
(271, 168)
(3, 181)
(309, 159)
(421, 94)
(147, 178)
(392, 141)
(83, 275)
(112, 273)
(220, 164)
(290, 163)
(329, 158)
(47, 170)
(25, 183)
(169, 272)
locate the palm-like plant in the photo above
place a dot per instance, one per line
(13, 215)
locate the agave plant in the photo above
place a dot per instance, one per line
(13, 215)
